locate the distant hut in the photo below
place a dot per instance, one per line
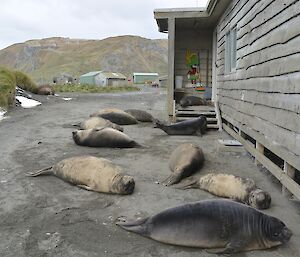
(103, 78)
(63, 79)
(142, 78)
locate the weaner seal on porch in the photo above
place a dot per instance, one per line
(196, 126)
(229, 186)
(91, 173)
(221, 226)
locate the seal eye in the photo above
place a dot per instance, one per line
(275, 234)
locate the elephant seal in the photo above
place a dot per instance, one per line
(103, 137)
(220, 225)
(229, 186)
(91, 173)
(140, 115)
(185, 160)
(94, 122)
(191, 101)
(196, 126)
(45, 90)
(116, 116)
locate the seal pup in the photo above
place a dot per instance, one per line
(185, 160)
(116, 116)
(91, 173)
(196, 126)
(191, 100)
(219, 225)
(103, 137)
(140, 115)
(94, 122)
(229, 186)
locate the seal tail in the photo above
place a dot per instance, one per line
(188, 185)
(39, 172)
(138, 226)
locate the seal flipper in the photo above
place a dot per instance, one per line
(138, 226)
(231, 247)
(171, 180)
(39, 172)
(85, 187)
(191, 184)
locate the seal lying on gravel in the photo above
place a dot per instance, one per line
(225, 185)
(95, 122)
(140, 115)
(91, 173)
(185, 160)
(223, 226)
(116, 116)
(191, 101)
(45, 90)
(103, 137)
(196, 126)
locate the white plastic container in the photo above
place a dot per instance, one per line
(178, 81)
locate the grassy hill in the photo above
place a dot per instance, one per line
(43, 59)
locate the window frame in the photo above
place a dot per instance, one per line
(231, 50)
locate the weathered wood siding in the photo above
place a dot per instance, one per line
(263, 94)
(197, 41)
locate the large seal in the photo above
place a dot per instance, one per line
(91, 173)
(191, 101)
(103, 137)
(95, 122)
(45, 90)
(116, 116)
(226, 185)
(196, 126)
(140, 115)
(185, 160)
(223, 226)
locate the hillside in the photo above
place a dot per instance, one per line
(43, 59)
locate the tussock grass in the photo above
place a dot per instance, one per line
(92, 88)
(25, 82)
(7, 87)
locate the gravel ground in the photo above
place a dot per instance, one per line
(45, 216)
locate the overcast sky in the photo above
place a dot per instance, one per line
(23, 20)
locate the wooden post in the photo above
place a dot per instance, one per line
(290, 171)
(260, 148)
(171, 65)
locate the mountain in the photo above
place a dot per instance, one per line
(43, 59)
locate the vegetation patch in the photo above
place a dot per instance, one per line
(92, 88)
(7, 87)
(25, 82)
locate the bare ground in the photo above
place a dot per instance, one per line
(44, 216)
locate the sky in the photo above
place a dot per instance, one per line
(22, 20)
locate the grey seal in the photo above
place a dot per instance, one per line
(229, 186)
(195, 126)
(116, 116)
(140, 115)
(221, 226)
(192, 101)
(91, 173)
(95, 122)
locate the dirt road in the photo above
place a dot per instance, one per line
(44, 216)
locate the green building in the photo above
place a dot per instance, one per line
(103, 78)
(142, 78)
(89, 78)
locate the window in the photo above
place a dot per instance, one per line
(230, 50)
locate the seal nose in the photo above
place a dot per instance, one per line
(129, 185)
(286, 235)
(73, 133)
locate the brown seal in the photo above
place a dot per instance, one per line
(219, 225)
(229, 186)
(91, 173)
(116, 116)
(185, 160)
(45, 90)
(103, 137)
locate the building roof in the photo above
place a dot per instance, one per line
(114, 75)
(91, 73)
(192, 17)
(145, 74)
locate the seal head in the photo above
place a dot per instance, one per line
(123, 184)
(259, 199)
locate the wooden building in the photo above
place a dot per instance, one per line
(254, 68)
(103, 78)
